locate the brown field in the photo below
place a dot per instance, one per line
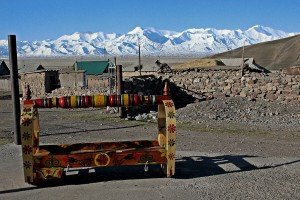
(58, 62)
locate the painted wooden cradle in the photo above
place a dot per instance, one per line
(43, 162)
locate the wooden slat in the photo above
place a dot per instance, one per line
(97, 146)
(153, 155)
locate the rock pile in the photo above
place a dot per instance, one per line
(246, 114)
(67, 91)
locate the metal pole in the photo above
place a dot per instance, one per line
(13, 62)
(243, 62)
(120, 89)
(116, 72)
(140, 59)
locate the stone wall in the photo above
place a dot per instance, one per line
(5, 83)
(71, 79)
(186, 87)
(94, 82)
(214, 84)
(36, 82)
(137, 73)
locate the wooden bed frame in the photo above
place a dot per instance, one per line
(43, 162)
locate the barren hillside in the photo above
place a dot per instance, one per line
(272, 55)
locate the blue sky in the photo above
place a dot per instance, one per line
(49, 19)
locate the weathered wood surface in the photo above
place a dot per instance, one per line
(48, 161)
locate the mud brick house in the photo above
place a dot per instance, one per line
(40, 80)
(98, 73)
(70, 78)
(4, 70)
(5, 84)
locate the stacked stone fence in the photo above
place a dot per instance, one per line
(204, 84)
(274, 86)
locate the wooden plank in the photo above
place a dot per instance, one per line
(170, 136)
(97, 146)
(27, 138)
(153, 155)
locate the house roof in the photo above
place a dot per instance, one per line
(26, 69)
(4, 70)
(235, 62)
(92, 67)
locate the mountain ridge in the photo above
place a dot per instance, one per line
(154, 42)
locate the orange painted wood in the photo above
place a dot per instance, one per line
(85, 147)
(101, 158)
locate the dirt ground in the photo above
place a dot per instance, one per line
(210, 163)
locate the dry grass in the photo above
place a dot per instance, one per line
(197, 64)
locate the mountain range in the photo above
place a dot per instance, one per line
(153, 42)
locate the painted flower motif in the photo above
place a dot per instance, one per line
(171, 128)
(26, 121)
(48, 171)
(27, 164)
(171, 142)
(35, 112)
(27, 149)
(26, 136)
(171, 156)
(169, 104)
(59, 173)
(171, 114)
(102, 160)
(26, 110)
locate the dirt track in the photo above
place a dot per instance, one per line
(211, 164)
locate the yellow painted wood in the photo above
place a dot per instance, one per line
(49, 173)
(126, 99)
(36, 130)
(161, 121)
(27, 134)
(73, 101)
(54, 101)
(100, 101)
(170, 136)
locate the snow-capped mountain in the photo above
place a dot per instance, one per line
(153, 42)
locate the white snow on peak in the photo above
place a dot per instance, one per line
(193, 41)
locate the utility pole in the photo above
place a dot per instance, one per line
(120, 89)
(140, 67)
(243, 62)
(116, 72)
(13, 62)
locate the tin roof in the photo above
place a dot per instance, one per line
(92, 67)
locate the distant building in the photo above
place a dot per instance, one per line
(133, 70)
(92, 67)
(249, 63)
(98, 73)
(40, 80)
(4, 70)
(5, 84)
(68, 77)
